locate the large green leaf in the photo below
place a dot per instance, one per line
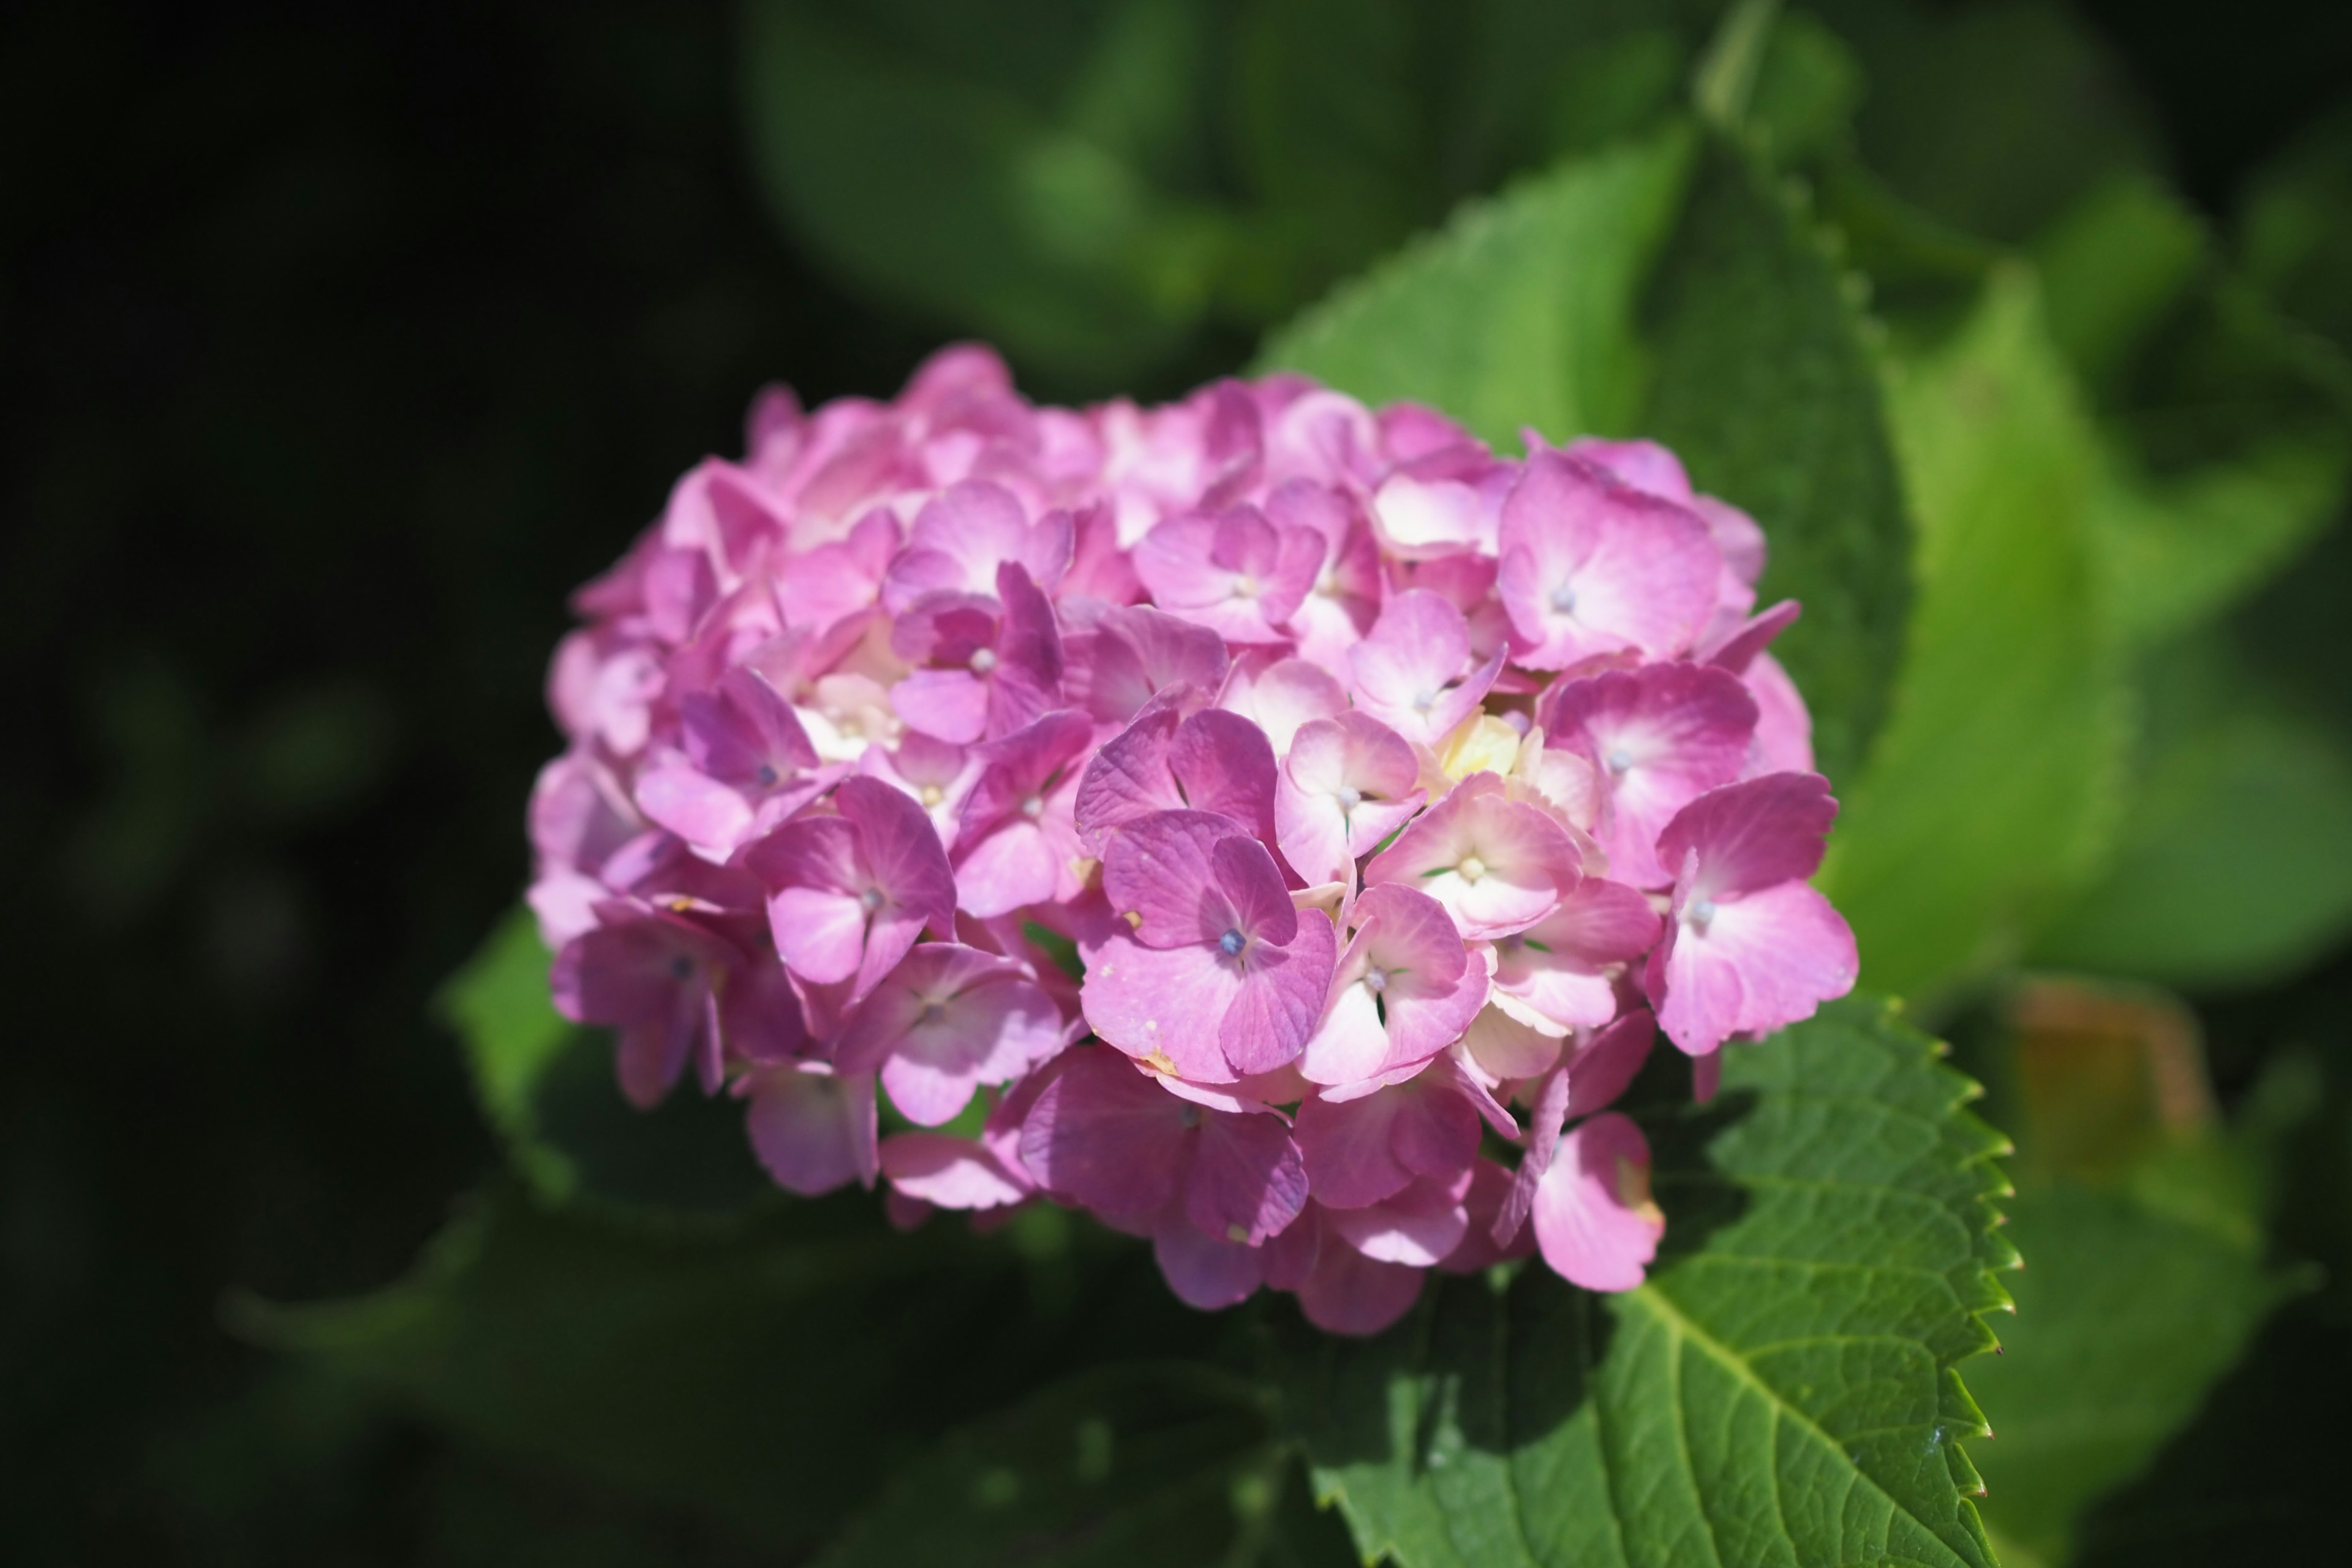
(1124, 1466)
(547, 1086)
(1519, 312)
(1781, 1391)
(2234, 863)
(1988, 794)
(771, 1373)
(1765, 384)
(2142, 1216)
(2126, 1317)
(1030, 172)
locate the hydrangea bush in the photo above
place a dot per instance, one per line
(1276, 826)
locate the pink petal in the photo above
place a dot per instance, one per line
(1605, 1065)
(1498, 866)
(1269, 1020)
(1137, 651)
(1594, 1218)
(1246, 1182)
(952, 1172)
(1658, 737)
(1420, 1226)
(901, 850)
(1281, 695)
(1206, 1274)
(1103, 1135)
(1760, 961)
(1165, 1002)
(1753, 835)
(1588, 566)
(812, 1131)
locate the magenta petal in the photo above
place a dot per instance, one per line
(1594, 1218)
(812, 1131)
(1349, 1149)
(1751, 834)
(1168, 1003)
(950, 705)
(1246, 876)
(1206, 1274)
(1281, 998)
(902, 850)
(1161, 871)
(1246, 1182)
(1137, 651)
(1129, 777)
(1605, 1065)
(1435, 1132)
(1224, 764)
(695, 807)
(1349, 1293)
(1103, 1135)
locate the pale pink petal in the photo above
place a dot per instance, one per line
(1658, 737)
(1756, 962)
(951, 1173)
(1168, 1003)
(1594, 1218)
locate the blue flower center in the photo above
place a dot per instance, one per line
(1231, 943)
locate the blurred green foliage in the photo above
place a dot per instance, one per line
(2023, 331)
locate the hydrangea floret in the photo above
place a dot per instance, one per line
(1393, 794)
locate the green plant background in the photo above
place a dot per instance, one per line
(2025, 340)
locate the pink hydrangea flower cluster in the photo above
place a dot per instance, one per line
(1394, 794)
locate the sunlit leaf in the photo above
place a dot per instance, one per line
(1988, 794)
(1780, 1391)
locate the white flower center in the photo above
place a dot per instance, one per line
(1376, 980)
(871, 899)
(932, 795)
(1702, 912)
(1563, 599)
(1034, 808)
(1245, 586)
(1471, 869)
(984, 660)
(1348, 796)
(1424, 700)
(1618, 759)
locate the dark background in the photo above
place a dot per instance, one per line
(339, 345)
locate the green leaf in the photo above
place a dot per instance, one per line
(771, 1373)
(1988, 795)
(2142, 1218)
(2125, 1317)
(546, 1085)
(1519, 313)
(2113, 265)
(1174, 1464)
(1781, 1391)
(2234, 863)
(2177, 550)
(1020, 172)
(1766, 388)
(1994, 117)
